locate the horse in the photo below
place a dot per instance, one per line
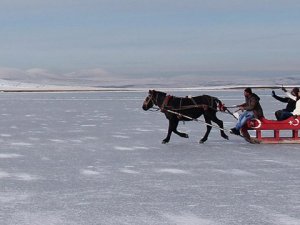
(185, 109)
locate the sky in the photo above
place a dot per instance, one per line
(107, 39)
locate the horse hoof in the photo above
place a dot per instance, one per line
(164, 142)
(202, 141)
(225, 137)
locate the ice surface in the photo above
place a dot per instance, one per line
(97, 159)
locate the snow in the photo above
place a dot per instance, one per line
(19, 86)
(96, 158)
(142, 84)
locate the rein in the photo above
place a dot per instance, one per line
(165, 107)
(200, 121)
(154, 109)
(197, 120)
(190, 107)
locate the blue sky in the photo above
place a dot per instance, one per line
(141, 38)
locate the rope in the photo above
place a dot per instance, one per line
(229, 112)
(197, 120)
(155, 109)
(199, 106)
(163, 108)
(190, 107)
(233, 106)
(201, 121)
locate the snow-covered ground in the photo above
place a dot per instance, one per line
(97, 159)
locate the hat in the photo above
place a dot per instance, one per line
(295, 90)
(248, 90)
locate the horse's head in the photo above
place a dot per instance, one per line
(149, 100)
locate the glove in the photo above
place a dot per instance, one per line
(283, 88)
(273, 93)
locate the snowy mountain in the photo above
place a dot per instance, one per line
(163, 83)
(6, 85)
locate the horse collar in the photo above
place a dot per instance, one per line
(166, 102)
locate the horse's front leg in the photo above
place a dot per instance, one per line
(184, 135)
(220, 124)
(208, 129)
(173, 123)
(170, 130)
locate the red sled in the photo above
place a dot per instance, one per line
(272, 131)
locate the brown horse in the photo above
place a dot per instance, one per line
(190, 108)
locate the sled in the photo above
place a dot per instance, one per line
(272, 131)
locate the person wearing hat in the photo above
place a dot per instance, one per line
(296, 111)
(251, 109)
(283, 114)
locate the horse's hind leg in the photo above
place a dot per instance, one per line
(220, 124)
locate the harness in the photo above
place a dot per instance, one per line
(167, 106)
(165, 103)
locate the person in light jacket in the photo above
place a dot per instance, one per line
(296, 111)
(283, 114)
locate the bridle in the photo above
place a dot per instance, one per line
(151, 99)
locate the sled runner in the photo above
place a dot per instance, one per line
(272, 131)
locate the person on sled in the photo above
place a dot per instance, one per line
(283, 114)
(251, 109)
(296, 111)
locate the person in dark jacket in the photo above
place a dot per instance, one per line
(251, 109)
(283, 114)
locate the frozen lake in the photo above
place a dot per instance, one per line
(97, 159)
